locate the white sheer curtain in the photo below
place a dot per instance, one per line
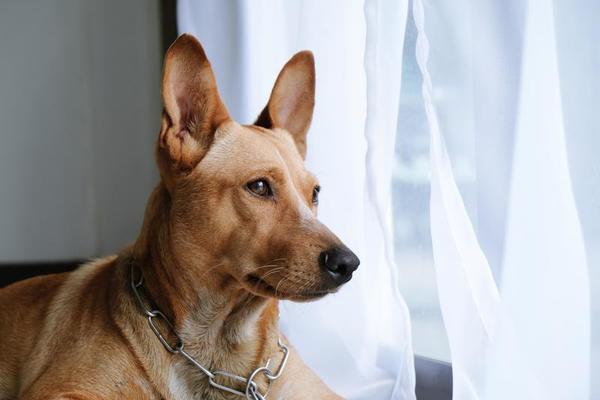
(520, 80)
(512, 84)
(358, 341)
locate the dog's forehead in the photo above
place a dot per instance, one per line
(247, 147)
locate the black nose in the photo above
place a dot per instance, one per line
(339, 262)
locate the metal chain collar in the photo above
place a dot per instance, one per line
(251, 391)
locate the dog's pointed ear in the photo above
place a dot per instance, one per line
(192, 106)
(292, 100)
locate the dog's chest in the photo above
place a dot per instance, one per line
(228, 344)
(187, 382)
(182, 385)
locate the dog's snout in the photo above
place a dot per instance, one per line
(339, 262)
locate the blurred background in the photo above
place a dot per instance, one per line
(79, 110)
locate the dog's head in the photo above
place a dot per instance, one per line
(243, 207)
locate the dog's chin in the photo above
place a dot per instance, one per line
(262, 288)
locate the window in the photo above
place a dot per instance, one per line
(411, 189)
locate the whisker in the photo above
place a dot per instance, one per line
(307, 283)
(266, 266)
(279, 283)
(271, 272)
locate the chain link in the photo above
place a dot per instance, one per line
(154, 315)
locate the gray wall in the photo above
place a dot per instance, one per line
(79, 113)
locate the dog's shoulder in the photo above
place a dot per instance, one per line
(25, 307)
(22, 305)
(37, 316)
(33, 290)
(79, 284)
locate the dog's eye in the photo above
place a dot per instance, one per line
(260, 187)
(315, 198)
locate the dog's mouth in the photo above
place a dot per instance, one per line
(262, 288)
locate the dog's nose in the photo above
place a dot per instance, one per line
(339, 262)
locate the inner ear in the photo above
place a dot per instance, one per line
(292, 100)
(193, 106)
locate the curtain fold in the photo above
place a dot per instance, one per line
(386, 25)
(468, 294)
(578, 52)
(357, 340)
(522, 330)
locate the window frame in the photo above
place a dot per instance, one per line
(433, 379)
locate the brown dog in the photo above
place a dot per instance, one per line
(230, 229)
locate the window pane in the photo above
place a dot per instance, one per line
(410, 188)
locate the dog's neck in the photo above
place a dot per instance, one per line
(218, 320)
